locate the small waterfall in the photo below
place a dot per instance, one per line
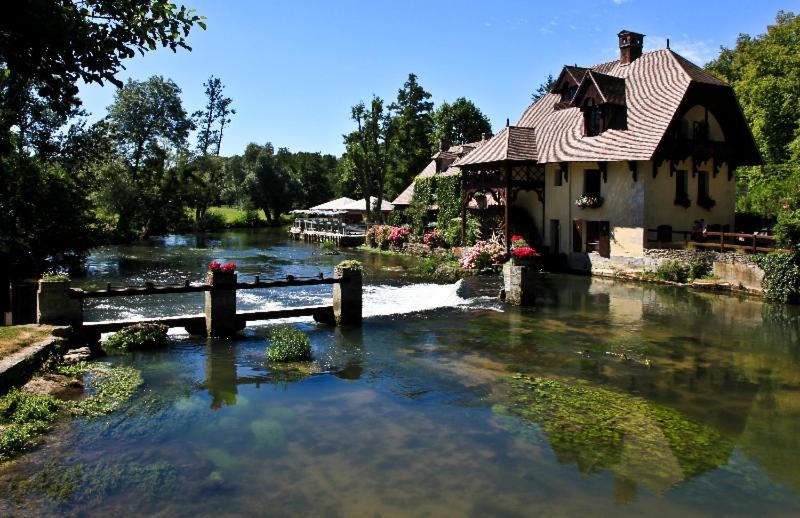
(398, 300)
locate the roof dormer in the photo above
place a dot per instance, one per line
(601, 98)
(567, 85)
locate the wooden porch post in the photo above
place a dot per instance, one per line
(507, 227)
(463, 218)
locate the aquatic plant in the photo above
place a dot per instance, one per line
(288, 344)
(24, 417)
(112, 386)
(137, 337)
(329, 248)
(598, 428)
(55, 277)
(269, 435)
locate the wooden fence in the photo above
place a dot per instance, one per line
(719, 241)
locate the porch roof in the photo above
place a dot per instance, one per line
(513, 144)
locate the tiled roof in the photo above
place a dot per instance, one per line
(655, 85)
(611, 88)
(514, 143)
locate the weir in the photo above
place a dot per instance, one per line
(58, 303)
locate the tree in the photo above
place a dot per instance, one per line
(268, 183)
(543, 88)
(458, 123)
(50, 46)
(211, 120)
(150, 128)
(764, 71)
(412, 125)
(367, 149)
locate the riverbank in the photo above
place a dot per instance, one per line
(439, 265)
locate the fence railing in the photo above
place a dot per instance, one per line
(58, 303)
(720, 241)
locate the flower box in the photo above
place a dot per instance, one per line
(589, 201)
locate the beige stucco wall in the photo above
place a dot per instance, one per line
(623, 206)
(659, 198)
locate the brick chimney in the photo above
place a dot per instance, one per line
(630, 46)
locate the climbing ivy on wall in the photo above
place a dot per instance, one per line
(417, 211)
(445, 192)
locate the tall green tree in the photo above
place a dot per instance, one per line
(150, 129)
(212, 119)
(268, 182)
(368, 151)
(411, 128)
(458, 122)
(764, 71)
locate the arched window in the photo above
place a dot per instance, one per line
(591, 114)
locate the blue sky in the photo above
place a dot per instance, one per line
(294, 68)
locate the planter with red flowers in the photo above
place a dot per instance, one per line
(221, 274)
(525, 256)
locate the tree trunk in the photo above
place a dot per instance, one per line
(267, 214)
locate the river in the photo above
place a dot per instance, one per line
(607, 397)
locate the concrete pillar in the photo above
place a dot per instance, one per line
(55, 306)
(519, 283)
(347, 296)
(221, 304)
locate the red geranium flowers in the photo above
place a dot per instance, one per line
(216, 266)
(524, 253)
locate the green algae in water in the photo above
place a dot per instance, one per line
(113, 386)
(24, 418)
(598, 429)
(92, 483)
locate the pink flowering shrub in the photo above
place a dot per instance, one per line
(378, 236)
(399, 236)
(384, 236)
(484, 254)
(434, 239)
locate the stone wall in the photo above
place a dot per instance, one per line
(738, 270)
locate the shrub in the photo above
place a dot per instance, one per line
(518, 242)
(212, 221)
(287, 344)
(55, 277)
(398, 236)
(350, 264)
(434, 239)
(138, 337)
(247, 218)
(484, 254)
(378, 236)
(674, 271)
(781, 281)
(699, 268)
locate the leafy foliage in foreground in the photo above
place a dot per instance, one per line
(23, 418)
(137, 337)
(781, 281)
(597, 428)
(287, 344)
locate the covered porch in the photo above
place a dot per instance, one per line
(499, 172)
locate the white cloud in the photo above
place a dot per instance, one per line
(698, 52)
(620, 2)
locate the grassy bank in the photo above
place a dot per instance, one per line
(16, 338)
(224, 217)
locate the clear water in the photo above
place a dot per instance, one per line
(404, 415)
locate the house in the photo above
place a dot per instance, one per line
(617, 158)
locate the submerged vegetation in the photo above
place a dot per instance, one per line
(26, 416)
(597, 428)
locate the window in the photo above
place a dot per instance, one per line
(591, 182)
(558, 179)
(682, 188)
(703, 197)
(568, 93)
(592, 122)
